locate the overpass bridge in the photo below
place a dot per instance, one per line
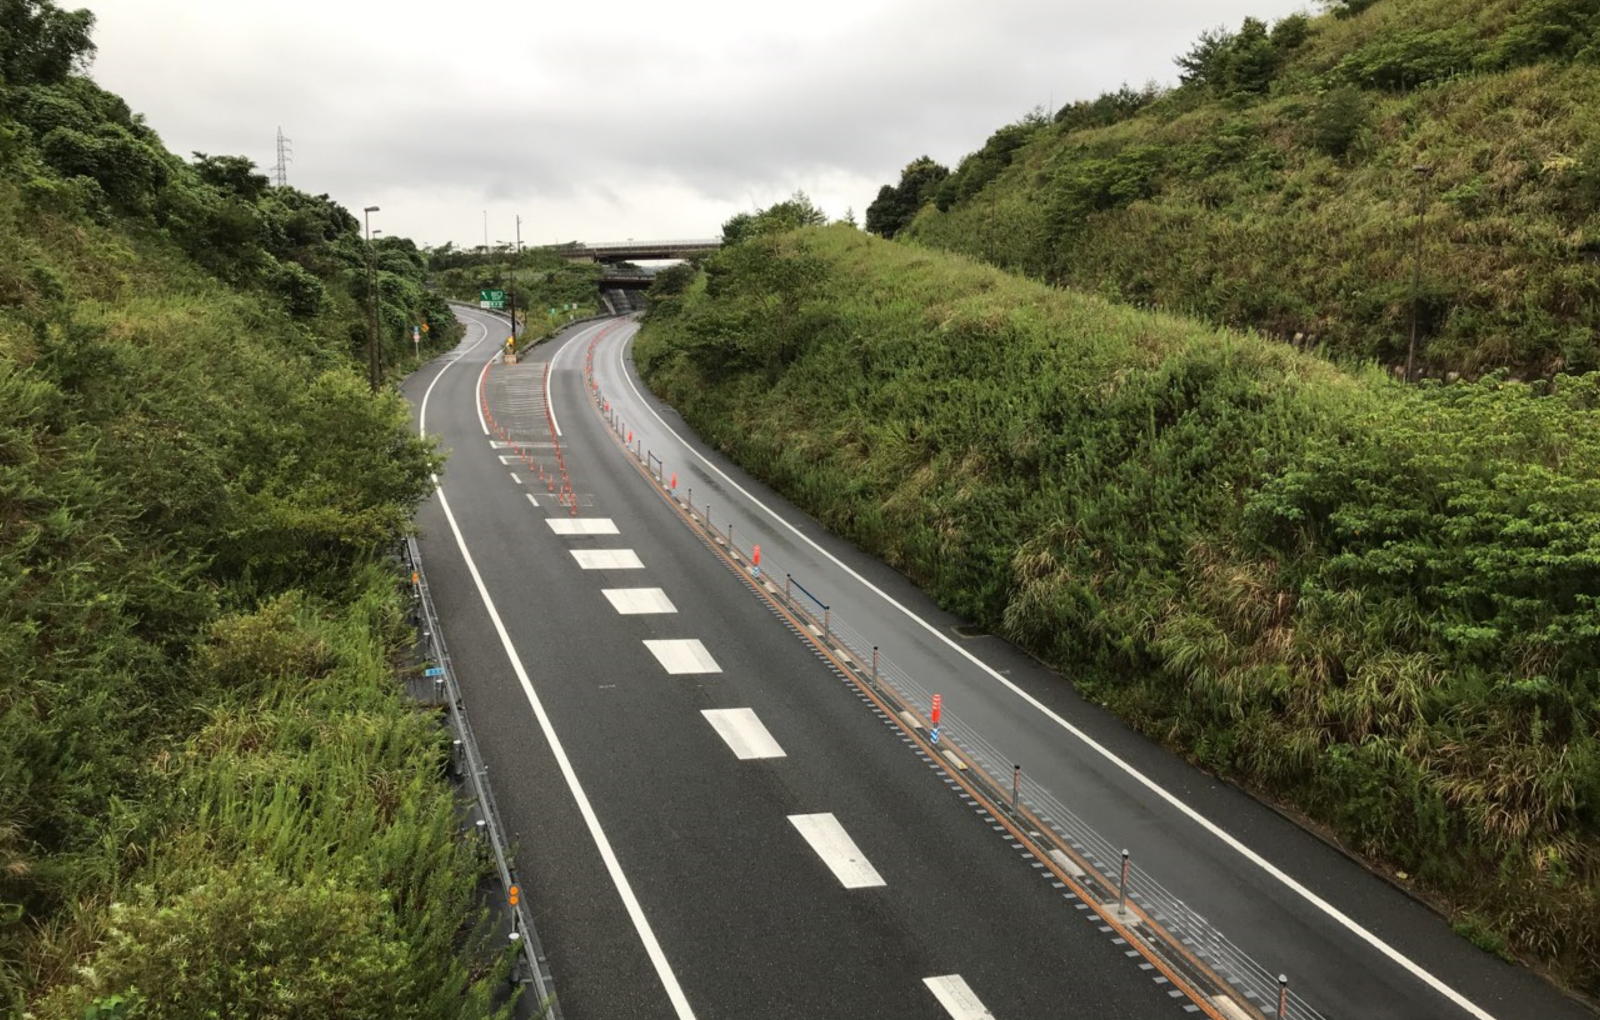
(636, 251)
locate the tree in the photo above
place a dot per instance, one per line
(1232, 62)
(1347, 8)
(1336, 121)
(897, 205)
(40, 44)
(231, 175)
(791, 214)
(1203, 64)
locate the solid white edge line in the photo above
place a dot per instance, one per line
(1288, 881)
(477, 392)
(422, 409)
(550, 408)
(641, 924)
(550, 370)
(549, 366)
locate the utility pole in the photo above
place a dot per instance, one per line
(372, 302)
(516, 251)
(486, 231)
(280, 172)
(1422, 171)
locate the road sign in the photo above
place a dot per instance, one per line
(433, 671)
(491, 299)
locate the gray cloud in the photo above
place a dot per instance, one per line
(628, 119)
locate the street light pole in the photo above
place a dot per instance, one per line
(372, 302)
(1422, 171)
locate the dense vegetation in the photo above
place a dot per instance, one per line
(1380, 603)
(214, 801)
(1275, 187)
(542, 283)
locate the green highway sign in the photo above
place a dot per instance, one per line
(491, 299)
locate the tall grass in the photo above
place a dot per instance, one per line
(1375, 601)
(1296, 211)
(213, 801)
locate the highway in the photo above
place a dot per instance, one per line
(713, 820)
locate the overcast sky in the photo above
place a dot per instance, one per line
(614, 120)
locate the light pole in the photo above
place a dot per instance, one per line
(1422, 170)
(515, 252)
(372, 302)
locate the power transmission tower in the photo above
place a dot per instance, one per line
(280, 172)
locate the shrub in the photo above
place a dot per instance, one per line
(248, 943)
(1407, 60)
(1335, 122)
(302, 292)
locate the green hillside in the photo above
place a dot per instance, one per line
(1275, 188)
(1379, 603)
(214, 800)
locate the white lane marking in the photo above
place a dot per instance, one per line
(636, 601)
(507, 459)
(550, 408)
(683, 655)
(957, 999)
(641, 924)
(422, 410)
(743, 732)
(478, 392)
(532, 500)
(1288, 881)
(497, 444)
(517, 479)
(837, 850)
(550, 371)
(581, 525)
(607, 559)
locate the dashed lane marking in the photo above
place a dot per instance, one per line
(607, 559)
(837, 850)
(683, 655)
(638, 601)
(957, 998)
(743, 732)
(582, 525)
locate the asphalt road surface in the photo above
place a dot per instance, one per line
(711, 821)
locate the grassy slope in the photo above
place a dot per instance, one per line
(1227, 208)
(197, 491)
(1376, 602)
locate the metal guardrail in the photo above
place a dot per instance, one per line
(466, 762)
(1119, 890)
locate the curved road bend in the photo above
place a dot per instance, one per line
(749, 919)
(710, 823)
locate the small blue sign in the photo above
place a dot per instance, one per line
(433, 671)
(933, 734)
